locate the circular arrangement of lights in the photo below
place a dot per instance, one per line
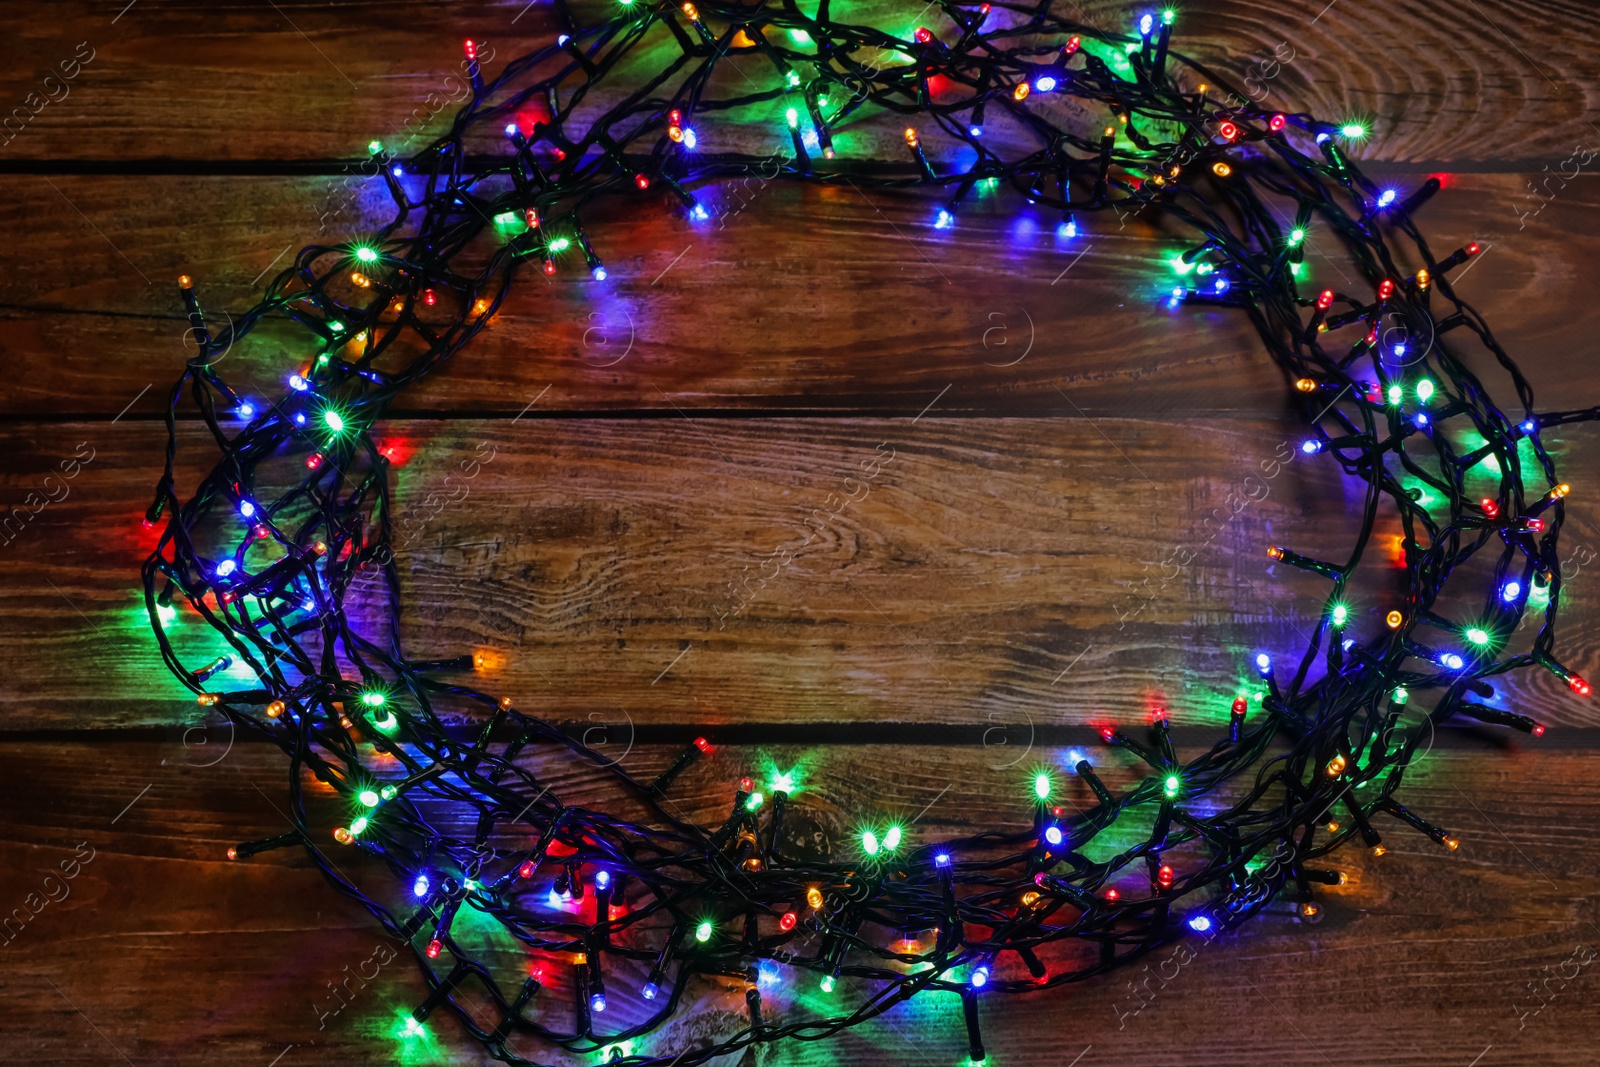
(527, 910)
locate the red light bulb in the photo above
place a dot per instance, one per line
(1490, 508)
(702, 744)
(787, 920)
(1578, 685)
(1325, 300)
(1277, 122)
(924, 35)
(432, 951)
(526, 870)
(1472, 248)
(642, 181)
(1385, 289)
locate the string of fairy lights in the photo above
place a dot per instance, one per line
(277, 548)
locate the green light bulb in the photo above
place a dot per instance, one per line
(1400, 695)
(703, 932)
(1424, 390)
(1041, 786)
(794, 118)
(166, 613)
(891, 840)
(367, 255)
(827, 983)
(1296, 235)
(1477, 636)
(869, 842)
(1353, 130)
(358, 824)
(753, 802)
(373, 700)
(1395, 394)
(1173, 784)
(1340, 614)
(335, 422)
(368, 797)
(374, 147)
(783, 783)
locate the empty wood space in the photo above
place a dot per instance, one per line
(895, 504)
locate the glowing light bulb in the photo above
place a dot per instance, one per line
(373, 700)
(980, 974)
(1263, 663)
(942, 859)
(1311, 447)
(1052, 835)
(1478, 636)
(1041, 786)
(367, 255)
(1394, 619)
(1221, 170)
(1200, 923)
(1172, 785)
(826, 983)
(1044, 84)
(944, 220)
(1340, 614)
(1424, 390)
(599, 273)
(419, 888)
(1396, 394)
(869, 842)
(358, 824)
(753, 801)
(1452, 660)
(1353, 130)
(1147, 23)
(690, 139)
(1510, 591)
(814, 898)
(787, 920)
(1386, 198)
(226, 567)
(597, 1003)
(891, 839)
(333, 420)
(368, 797)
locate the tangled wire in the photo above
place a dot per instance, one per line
(270, 546)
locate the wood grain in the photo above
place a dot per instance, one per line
(808, 299)
(243, 950)
(1495, 82)
(955, 571)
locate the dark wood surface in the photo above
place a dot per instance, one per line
(1054, 439)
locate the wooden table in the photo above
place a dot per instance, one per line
(1053, 436)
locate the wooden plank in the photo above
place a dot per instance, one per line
(304, 81)
(171, 954)
(808, 299)
(933, 570)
